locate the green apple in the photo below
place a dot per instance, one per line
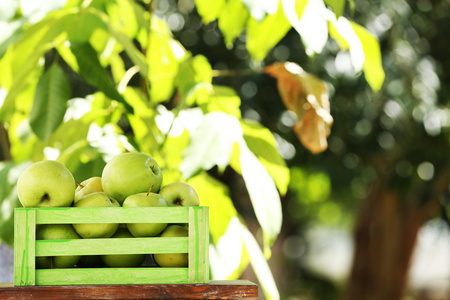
(88, 186)
(123, 260)
(106, 230)
(145, 200)
(131, 173)
(180, 194)
(46, 184)
(56, 232)
(174, 260)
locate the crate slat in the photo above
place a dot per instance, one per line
(112, 246)
(111, 276)
(67, 215)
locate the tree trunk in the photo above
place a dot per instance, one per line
(385, 237)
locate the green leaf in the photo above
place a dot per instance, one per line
(134, 54)
(209, 10)
(227, 256)
(263, 193)
(216, 196)
(373, 67)
(192, 71)
(261, 142)
(9, 173)
(163, 56)
(50, 102)
(11, 32)
(83, 27)
(219, 98)
(122, 15)
(67, 55)
(264, 35)
(337, 6)
(27, 51)
(232, 20)
(93, 72)
(211, 143)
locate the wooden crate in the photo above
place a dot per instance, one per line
(27, 248)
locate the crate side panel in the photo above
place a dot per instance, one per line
(112, 246)
(24, 246)
(74, 215)
(111, 276)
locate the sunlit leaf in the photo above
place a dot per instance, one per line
(67, 55)
(373, 67)
(263, 35)
(192, 71)
(211, 143)
(24, 144)
(227, 256)
(134, 54)
(232, 20)
(163, 61)
(8, 10)
(209, 10)
(122, 15)
(311, 24)
(260, 265)
(93, 72)
(263, 193)
(261, 142)
(83, 27)
(219, 98)
(9, 33)
(307, 96)
(50, 102)
(343, 33)
(216, 196)
(337, 6)
(28, 50)
(260, 8)
(9, 173)
(70, 132)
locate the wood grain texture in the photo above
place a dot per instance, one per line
(238, 289)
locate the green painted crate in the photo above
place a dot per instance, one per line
(27, 248)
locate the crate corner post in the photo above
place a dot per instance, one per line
(24, 246)
(198, 245)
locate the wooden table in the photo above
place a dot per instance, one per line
(227, 289)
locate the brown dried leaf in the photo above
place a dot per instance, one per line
(307, 96)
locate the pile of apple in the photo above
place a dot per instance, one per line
(131, 179)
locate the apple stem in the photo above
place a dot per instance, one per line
(149, 190)
(79, 184)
